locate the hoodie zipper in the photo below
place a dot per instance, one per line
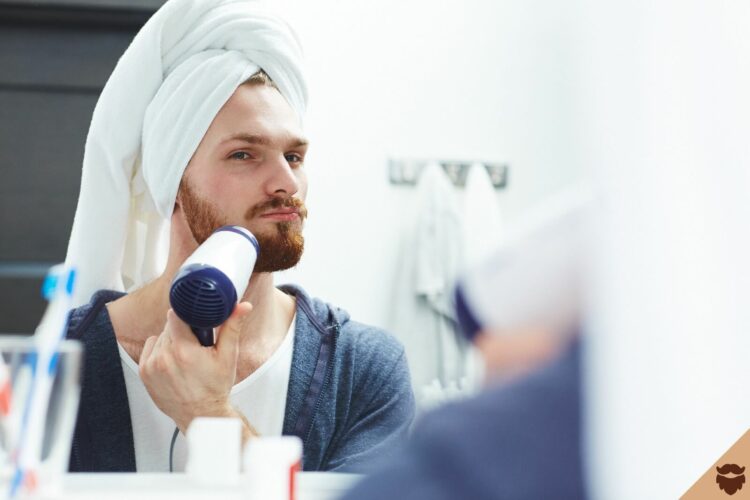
(329, 369)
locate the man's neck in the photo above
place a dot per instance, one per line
(267, 324)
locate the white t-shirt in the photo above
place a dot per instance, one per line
(261, 397)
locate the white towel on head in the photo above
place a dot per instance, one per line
(166, 89)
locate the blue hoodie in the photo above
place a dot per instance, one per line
(349, 398)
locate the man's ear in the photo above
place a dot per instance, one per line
(178, 198)
(177, 210)
(181, 236)
(178, 201)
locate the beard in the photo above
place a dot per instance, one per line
(280, 249)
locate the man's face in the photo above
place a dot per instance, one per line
(248, 171)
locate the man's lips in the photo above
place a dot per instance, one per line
(281, 214)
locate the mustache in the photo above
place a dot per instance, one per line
(277, 203)
(730, 468)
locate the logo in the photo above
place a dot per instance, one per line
(730, 478)
(725, 478)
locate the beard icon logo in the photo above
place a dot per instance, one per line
(730, 484)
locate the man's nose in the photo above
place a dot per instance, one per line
(282, 178)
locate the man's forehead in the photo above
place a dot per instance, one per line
(257, 114)
(266, 139)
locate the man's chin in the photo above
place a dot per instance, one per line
(279, 251)
(276, 263)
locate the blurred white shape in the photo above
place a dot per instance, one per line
(271, 466)
(214, 450)
(534, 279)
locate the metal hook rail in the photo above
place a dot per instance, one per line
(407, 172)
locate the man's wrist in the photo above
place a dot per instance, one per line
(222, 411)
(248, 431)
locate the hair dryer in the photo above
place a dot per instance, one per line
(213, 279)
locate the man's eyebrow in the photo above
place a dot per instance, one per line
(262, 140)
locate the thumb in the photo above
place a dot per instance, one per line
(228, 335)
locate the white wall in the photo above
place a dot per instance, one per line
(498, 80)
(669, 118)
(471, 79)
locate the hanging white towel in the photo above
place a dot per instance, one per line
(423, 313)
(482, 221)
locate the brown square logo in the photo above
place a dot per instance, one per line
(725, 479)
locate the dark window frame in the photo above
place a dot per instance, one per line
(79, 14)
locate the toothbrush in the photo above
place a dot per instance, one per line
(42, 365)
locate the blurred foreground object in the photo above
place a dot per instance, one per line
(41, 387)
(520, 439)
(272, 466)
(96, 486)
(55, 432)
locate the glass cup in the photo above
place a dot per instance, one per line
(39, 396)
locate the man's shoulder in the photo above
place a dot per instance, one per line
(355, 335)
(355, 340)
(531, 425)
(90, 316)
(369, 342)
(545, 399)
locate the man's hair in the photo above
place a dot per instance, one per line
(260, 78)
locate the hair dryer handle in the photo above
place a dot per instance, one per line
(205, 335)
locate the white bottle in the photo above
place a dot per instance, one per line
(271, 465)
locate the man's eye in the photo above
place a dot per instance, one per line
(294, 158)
(239, 155)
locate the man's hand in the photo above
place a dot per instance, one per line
(187, 380)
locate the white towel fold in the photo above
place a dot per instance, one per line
(166, 89)
(482, 218)
(437, 245)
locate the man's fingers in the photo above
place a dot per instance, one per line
(148, 348)
(229, 333)
(179, 330)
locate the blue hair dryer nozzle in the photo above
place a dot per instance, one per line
(207, 286)
(203, 297)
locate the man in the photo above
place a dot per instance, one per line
(520, 438)
(222, 143)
